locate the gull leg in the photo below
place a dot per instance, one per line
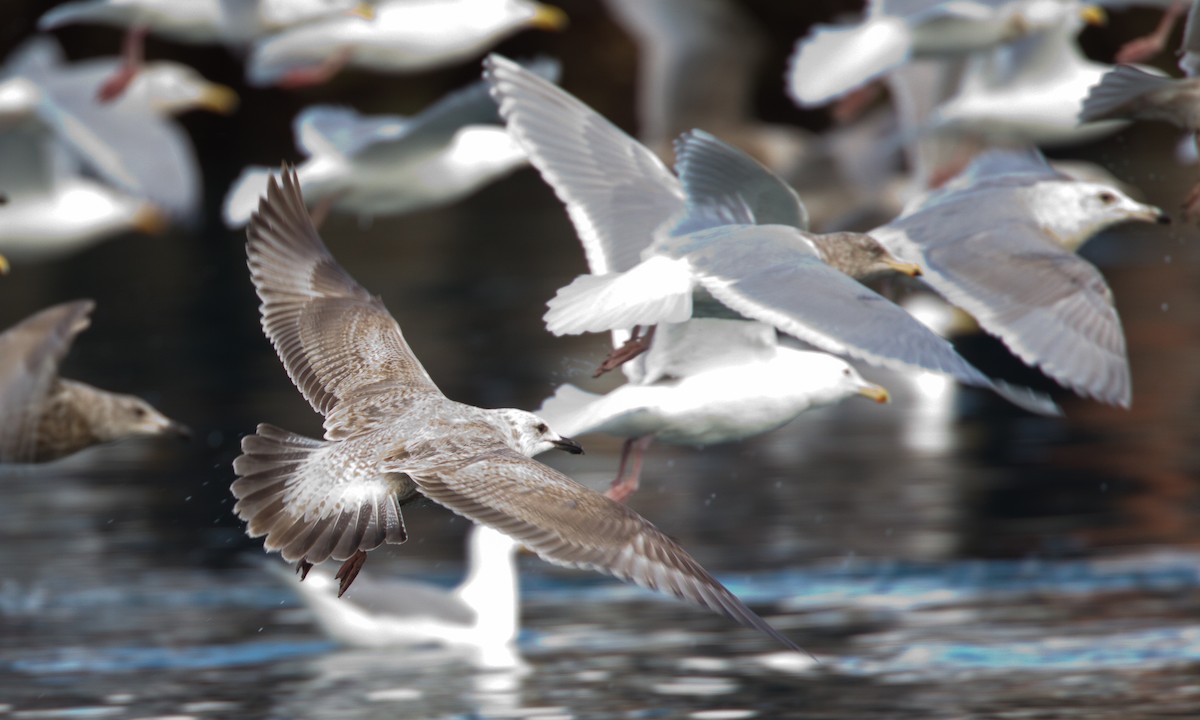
(1191, 206)
(1143, 48)
(349, 570)
(317, 74)
(634, 346)
(850, 107)
(626, 484)
(133, 53)
(302, 568)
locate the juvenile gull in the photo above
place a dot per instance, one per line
(999, 241)
(706, 381)
(43, 416)
(726, 232)
(391, 434)
(481, 614)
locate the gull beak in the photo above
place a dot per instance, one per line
(219, 99)
(1162, 218)
(1094, 15)
(364, 10)
(909, 269)
(568, 445)
(150, 220)
(878, 393)
(548, 17)
(3, 265)
(183, 432)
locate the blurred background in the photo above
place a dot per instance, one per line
(951, 555)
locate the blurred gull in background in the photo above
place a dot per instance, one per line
(51, 209)
(404, 36)
(999, 241)
(132, 143)
(652, 240)
(481, 614)
(388, 164)
(1131, 93)
(706, 381)
(833, 60)
(43, 416)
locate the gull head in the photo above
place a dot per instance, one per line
(172, 88)
(860, 256)
(1072, 211)
(112, 416)
(529, 435)
(825, 379)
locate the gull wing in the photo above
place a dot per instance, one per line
(568, 524)
(616, 191)
(30, 353)
(334, 338)
(771, 274)
(1189, 59)
(1051, 307)
(725, 186)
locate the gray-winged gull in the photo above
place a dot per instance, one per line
(132, 143)
(480, 614)
(404, 36)
(999, 241)
(390, 435)
(51, 208)
(706, 381)
(43, 416)
(726, 226)
(833, 60)
(388, 164)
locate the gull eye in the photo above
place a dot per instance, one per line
(542, 428)
(1107, 198)
(139, 412)
(846, 372)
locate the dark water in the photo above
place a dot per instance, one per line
(946, 556)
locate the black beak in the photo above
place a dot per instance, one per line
(181, 431)
(1163, 219)
(569, 445)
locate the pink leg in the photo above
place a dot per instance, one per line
(626, 484)
(317, 74)
(349, 570)
(634, 346)
(849, 108)
(133, 53)
(1143, 48)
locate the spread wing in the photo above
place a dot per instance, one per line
(568, 524)
(1051, 307)
(333, 337)
(616, 191)
(30, 353)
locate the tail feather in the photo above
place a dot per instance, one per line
(654, 291)
(306, 510)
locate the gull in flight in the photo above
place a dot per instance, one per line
(726, 237)
(999, 241)
(706, 381)
(390, 434)
(44, 416)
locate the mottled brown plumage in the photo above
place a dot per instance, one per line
(44, 417)
(390, 432)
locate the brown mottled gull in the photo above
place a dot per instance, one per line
(43, 416)
(390, 434)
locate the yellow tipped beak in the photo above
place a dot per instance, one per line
(150, 220)
(3, 265)
(1094, 15)
(219, 99)
(366, 11)
(548, 17)
(878, 393)
(909, 269)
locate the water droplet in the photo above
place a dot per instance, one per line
(1166, 306)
